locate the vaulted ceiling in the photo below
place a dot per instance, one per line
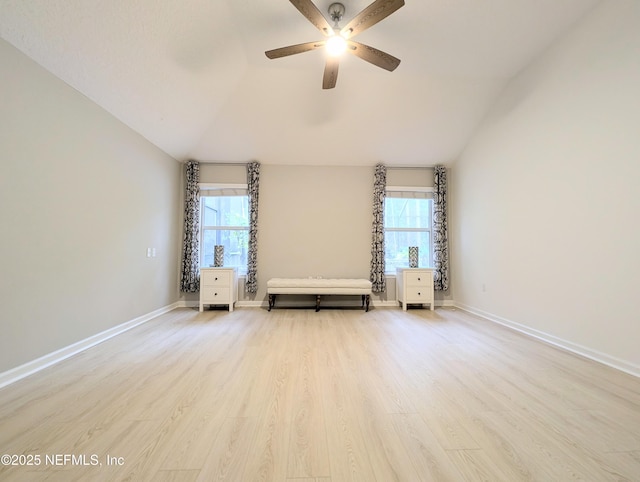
(192, 78)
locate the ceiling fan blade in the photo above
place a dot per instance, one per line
(373, 56)
(294, 49)
(311, 12)
(330, 73)
(378, 10)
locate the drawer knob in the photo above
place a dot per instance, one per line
(216, 294)
(419, 279)
(419, 293)
(216, 279)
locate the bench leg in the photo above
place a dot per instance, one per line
(367, 297)
(317, 302)
(272, 301)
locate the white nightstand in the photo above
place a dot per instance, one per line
(414, 285)
(218, 286)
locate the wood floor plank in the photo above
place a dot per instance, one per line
(329, 396)
(626, 464)
(310, 479)
(176, 475)
(272, 398)
(347, 449)
(227, 458)
(475, 465)
(308, 452)
(428, 457)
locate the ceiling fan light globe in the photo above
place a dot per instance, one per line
(336, 45)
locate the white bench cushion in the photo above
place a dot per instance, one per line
(318, 286)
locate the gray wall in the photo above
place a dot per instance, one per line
(82, 197)
(546, 194)
(314, 221)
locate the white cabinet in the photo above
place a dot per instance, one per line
(414, 285)
(218, 286)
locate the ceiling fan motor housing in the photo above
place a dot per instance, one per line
(336, 10)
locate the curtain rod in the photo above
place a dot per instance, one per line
(225, 163)
(245, 163)
(410, 167)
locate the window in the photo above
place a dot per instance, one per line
(407, 222)
(224, 216)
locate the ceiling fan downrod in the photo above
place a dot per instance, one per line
(336, 12)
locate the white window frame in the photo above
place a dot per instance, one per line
(221, 189)
(419, 191)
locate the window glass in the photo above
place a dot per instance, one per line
(225, 221)
(225, 210)
(407, 213)
(407, 223)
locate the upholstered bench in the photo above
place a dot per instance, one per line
(318, 287)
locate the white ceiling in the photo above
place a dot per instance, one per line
(191, 75)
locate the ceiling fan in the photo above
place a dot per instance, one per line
(339, 39)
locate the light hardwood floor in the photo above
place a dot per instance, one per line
(339, 395)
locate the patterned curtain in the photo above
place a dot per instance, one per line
(378, 280)
(253, 181)
(190, 275)
(440, 236)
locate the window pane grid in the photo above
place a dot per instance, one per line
(409, 230)
(225, 222)
(225, 211)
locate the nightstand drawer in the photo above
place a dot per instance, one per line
(215, 294)
(418, 294)
(418, 279)
(216, 278)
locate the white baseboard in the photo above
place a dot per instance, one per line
(332, 304)
(29, 368)
(288, 304)
(386, 303)
(396, 303)
(251, 304)
(335, 303)
(311, 304)
(584, 351)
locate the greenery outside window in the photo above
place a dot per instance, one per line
(408, 215)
